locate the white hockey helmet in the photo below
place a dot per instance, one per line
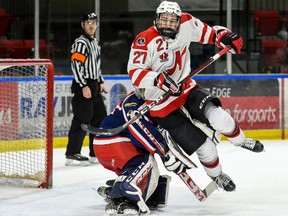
(170, 8)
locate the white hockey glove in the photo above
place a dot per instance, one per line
(173, 164)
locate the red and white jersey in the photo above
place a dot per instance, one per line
(152, 54)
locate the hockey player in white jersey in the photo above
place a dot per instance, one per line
(159, 60)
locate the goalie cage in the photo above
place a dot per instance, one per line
(26, 122)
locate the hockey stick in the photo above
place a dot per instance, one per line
(113, 131)
(201, 195)
(212, 134)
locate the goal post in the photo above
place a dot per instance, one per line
(26, 122)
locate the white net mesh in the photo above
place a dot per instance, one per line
(23, 122)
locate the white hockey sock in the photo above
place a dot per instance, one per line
(208, 156)
(222, 121)
(212, 169)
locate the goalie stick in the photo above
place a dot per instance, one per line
(113, 131)
(200, 194)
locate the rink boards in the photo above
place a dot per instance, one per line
(257, 102)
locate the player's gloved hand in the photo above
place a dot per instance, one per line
(225, 38)
(165, 82)
(173, 164)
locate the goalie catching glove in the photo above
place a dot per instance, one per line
(165, 82)
(226, 38)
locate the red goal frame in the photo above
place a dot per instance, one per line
(48, 182)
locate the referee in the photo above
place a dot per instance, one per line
(87, 86)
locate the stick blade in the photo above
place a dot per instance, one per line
(101, 131)
(210, 188)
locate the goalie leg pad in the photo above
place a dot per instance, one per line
(145, 177)
(137, 184)
(160, 196)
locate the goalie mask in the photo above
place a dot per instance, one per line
(139, 92)
(167, 20)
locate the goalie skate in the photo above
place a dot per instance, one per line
(158, 199)
(104, 191)
(116, 207)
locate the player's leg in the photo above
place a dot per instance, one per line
(137, 182)
(99, 113)
(118, 149)
(186, 135)
(125, 156)
(223, 122)
(76, 134)
(208, 156)
(208, 109)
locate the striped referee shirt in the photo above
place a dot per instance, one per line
(85, 60)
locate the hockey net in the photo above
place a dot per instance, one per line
(26, 122)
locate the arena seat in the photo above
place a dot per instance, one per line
(267, 23)
(275, 53)
(24, 48)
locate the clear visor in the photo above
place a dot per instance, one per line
(167, 21)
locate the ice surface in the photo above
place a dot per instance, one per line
(261, 180)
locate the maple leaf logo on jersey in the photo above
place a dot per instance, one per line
(133, 104)
(141, 41)
(163, 57)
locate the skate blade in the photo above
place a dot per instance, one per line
(93, 160)
(71, 162)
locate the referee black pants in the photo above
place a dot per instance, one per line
(89, 111)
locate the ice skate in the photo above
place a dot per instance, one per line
(252, 145)
(117, 207)
(77, 160)
(225, 182)
(93, 160)
(104, 191)
(128, 208)
(111, 208)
